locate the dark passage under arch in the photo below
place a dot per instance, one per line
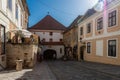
(49, 54)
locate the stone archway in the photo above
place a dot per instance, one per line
(49, 54)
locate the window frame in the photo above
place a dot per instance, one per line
(61, 40)
(111, 17)
(10, 7)
(88, 47)
(115, 47)
(50, 40)
(43, 40)
(4, 45)
(99, 22)
(61, 50)
(89, 25)
(16, 12)
(51, 33)
(81, 30)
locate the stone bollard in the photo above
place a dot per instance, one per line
(19, 64)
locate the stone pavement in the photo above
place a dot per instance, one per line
(40, 72)
(103, 68)
(65, 70)
(73, 70)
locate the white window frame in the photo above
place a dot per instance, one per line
(116, 47)
(116, 18)
(90, 47)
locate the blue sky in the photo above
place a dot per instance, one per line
(65, 11)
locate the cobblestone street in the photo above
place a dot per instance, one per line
(40, 72)
(72, 70)
(65, 70)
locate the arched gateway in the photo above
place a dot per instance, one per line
(49, 54)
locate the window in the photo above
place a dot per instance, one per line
(43, 40)
(88, 47)
(51, 40)
(61, 40)
(16, 11)
(10, 5)
(112, 19)
(100, 23)
(88, 27)
(51, 33)
(112, 48)
(3, 5)
(99, 47)
(2, 36)
(81, 31)
(21, 19)
(60, 50)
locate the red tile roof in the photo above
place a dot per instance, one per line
(48, 23)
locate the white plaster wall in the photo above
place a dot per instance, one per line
(93, 18)
(11, 14)
(56, 36)
(54, 47)
(4, 21)
(3, 5)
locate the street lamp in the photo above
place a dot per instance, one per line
(99, 6)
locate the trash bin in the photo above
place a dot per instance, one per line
(19, 65)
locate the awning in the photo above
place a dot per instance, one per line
(26, 33)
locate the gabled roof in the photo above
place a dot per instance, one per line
(74, 23)
(48, 23)
(89, 13)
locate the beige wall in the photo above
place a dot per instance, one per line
(17, 51)
(70, 37)
(105, 58)
(107, 33)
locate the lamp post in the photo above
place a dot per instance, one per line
(99, 6)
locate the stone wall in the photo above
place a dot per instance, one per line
(25, 52)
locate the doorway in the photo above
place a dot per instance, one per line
(49, 54)
(82, 53)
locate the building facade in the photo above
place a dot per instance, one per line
(13, 15)
(71, 39)
(51, 37)
(99, 34)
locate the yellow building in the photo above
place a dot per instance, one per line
(99, 34)
(70, 39)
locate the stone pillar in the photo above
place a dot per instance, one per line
(19, 65)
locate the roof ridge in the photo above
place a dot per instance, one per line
(48, 23)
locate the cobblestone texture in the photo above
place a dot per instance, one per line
(72, 70)
(65, 70)
(40, 72)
